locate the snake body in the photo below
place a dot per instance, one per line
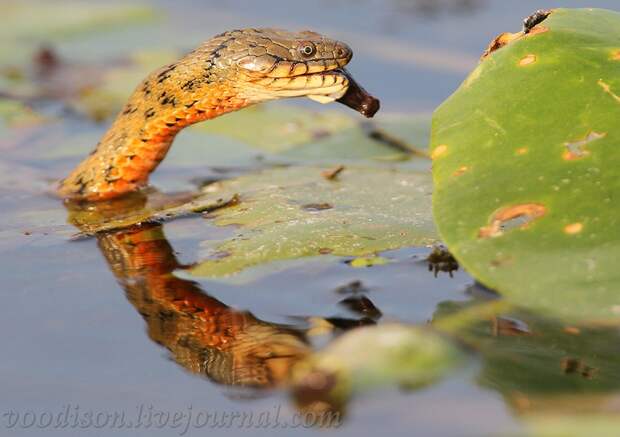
(231, 71)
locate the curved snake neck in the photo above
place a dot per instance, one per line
(229, 72)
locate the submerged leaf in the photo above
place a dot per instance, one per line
(371, 357)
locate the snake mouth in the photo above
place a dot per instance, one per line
(335, 85)
(288, 69)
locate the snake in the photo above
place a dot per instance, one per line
(230, 71)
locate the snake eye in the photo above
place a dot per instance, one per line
(307, 49)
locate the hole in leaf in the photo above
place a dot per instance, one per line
(578, 150)
(512, 217)
(499, 42)
(530, 27)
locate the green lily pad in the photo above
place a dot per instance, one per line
(526, 163)
(285, 214)
(294, 212)
(372, 357)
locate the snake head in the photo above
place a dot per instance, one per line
(274, 64)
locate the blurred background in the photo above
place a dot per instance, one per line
(67, 66)
(411, 53)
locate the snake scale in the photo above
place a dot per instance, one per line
(229, 72)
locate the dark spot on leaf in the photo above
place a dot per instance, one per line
(319, 134)
(509, 327)
(314, 207)
(220, 255)
(575, 366)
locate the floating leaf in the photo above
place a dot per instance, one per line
(294, 212)
(368, 261)
(526, 165)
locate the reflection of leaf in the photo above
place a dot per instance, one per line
(544, 369)
(527, 180)
(371, 357)
(549, 424)
(294, 212)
